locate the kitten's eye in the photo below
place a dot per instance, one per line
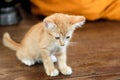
(57, 37)
(67, 37)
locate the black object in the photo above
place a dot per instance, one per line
(8, 3)
(9, 16)
(9, 12)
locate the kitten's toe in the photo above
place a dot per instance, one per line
(66, 70)
(28, 62)
(53, 58)
(53, 72)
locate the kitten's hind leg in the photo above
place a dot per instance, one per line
(28, 62)
(25, 57)
(53, 58)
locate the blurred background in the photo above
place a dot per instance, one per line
(13, 11)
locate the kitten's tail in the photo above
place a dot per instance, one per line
(8, 42)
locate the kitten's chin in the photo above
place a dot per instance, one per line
(59, 46)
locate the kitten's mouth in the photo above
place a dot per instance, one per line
(62, 45)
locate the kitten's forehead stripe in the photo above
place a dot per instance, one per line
(62, 23)
(63, 33)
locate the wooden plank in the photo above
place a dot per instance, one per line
(95, 54)
(112, 76)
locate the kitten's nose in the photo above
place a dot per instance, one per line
(62, 44)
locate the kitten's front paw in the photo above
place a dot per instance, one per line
(66, 70)
(52, 72)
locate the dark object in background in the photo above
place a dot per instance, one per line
(26, 6)
(9, 16)
(9, 12)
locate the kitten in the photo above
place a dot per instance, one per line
(46, 40)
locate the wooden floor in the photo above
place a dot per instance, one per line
(94, 53)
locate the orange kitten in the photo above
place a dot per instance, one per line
(46, 40)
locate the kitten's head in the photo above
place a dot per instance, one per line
(61, 26)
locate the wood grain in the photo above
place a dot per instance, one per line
(94, 53)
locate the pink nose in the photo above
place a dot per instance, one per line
(62, 44)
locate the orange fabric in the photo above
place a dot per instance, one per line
(91, 9)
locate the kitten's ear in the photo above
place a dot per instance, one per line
(49, 24)
(77, 21)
